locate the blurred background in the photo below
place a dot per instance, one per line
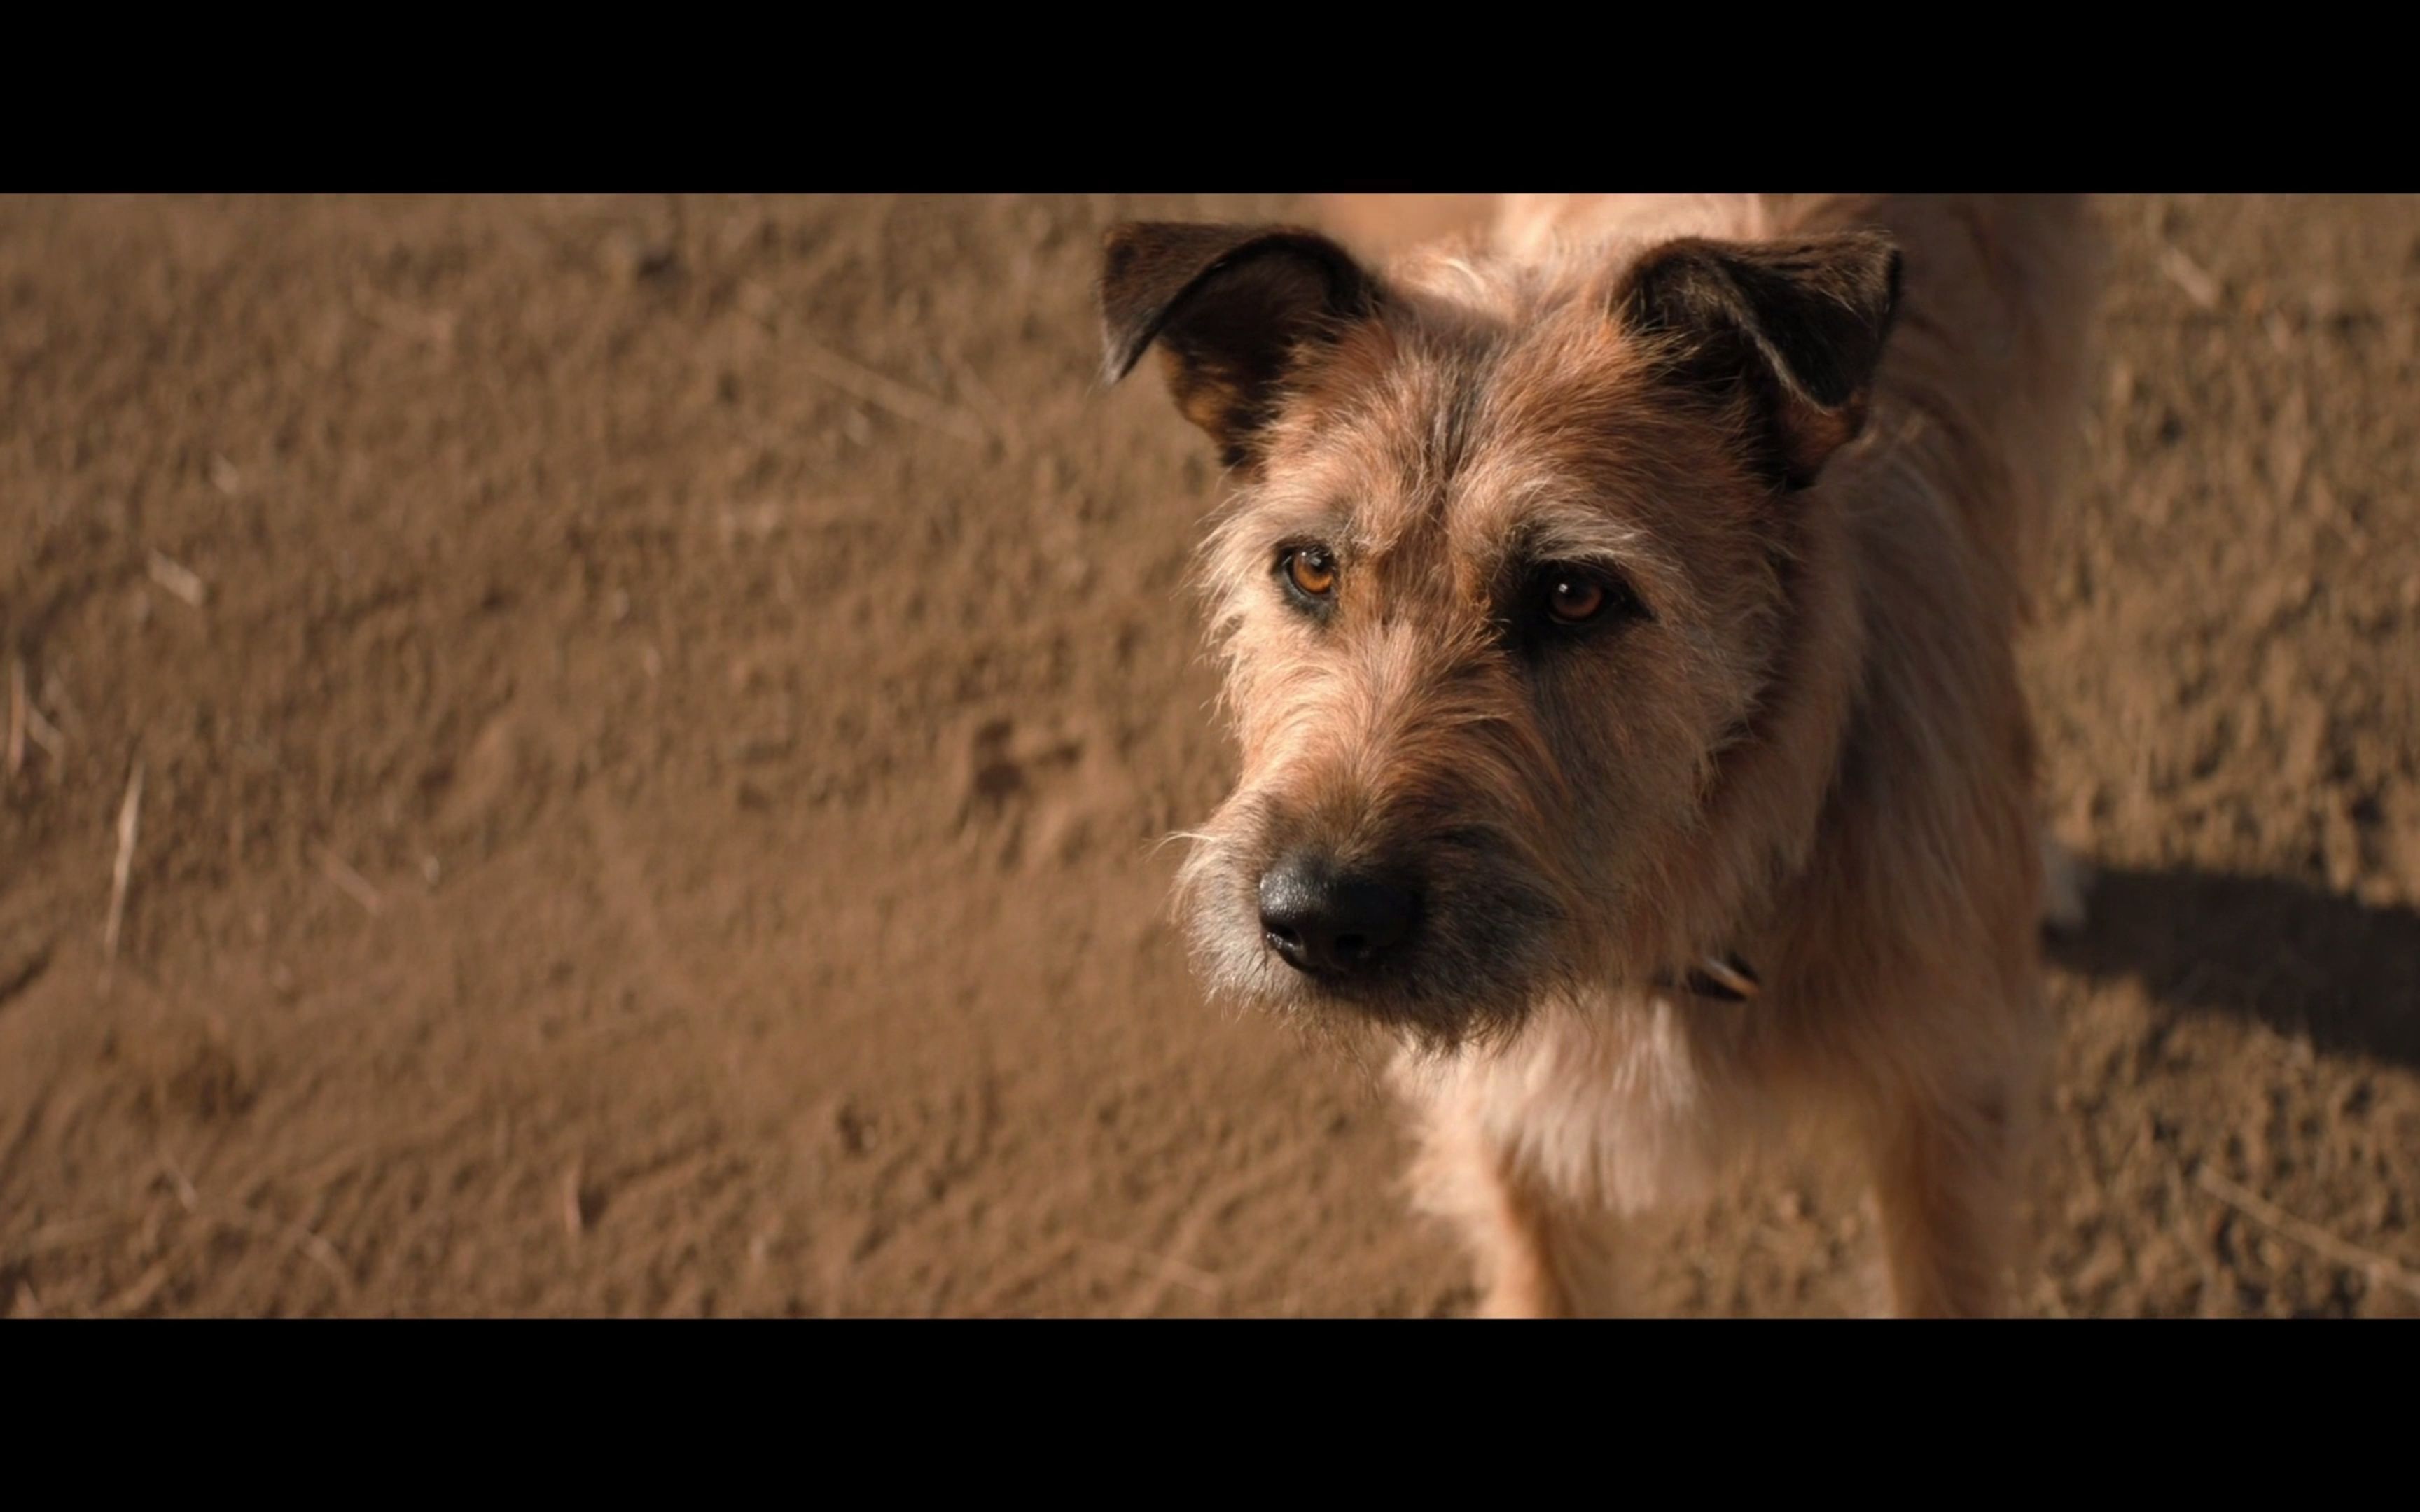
(598, 755)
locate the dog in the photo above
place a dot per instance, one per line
(1616, 607)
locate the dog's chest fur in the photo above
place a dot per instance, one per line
(1629, 1101)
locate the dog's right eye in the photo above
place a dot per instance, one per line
(1309, 574)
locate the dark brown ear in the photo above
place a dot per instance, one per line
(1230, 307)
(1798, 325)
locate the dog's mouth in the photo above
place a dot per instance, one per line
(1438, 997)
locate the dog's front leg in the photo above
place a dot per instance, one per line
(1537, 1254)
(1943, 1190)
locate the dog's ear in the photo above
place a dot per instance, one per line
(1800, 324)
(1229, 305)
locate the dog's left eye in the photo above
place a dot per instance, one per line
(1573, 599)
(1582, 595)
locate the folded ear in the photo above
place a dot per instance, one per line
(1230, 307)
(1798, 325)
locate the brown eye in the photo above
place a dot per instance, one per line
(1312, 571)
(1562, 604)
(1574, 599)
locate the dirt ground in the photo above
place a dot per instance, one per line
(653, 716)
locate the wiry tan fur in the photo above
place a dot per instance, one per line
(1814, 755)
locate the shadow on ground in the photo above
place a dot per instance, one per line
(2297, 959)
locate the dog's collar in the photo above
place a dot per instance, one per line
(1723, 978)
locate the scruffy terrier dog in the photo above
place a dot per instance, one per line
(1617, 613)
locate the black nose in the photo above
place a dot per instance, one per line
(1332, 922)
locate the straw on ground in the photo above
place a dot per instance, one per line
(130, 815)
(2377, 1267)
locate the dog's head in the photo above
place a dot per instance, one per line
(1506, 576)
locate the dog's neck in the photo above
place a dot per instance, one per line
(1767, 808)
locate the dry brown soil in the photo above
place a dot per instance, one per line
(653, 718)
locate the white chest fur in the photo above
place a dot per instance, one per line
(1627, 1103)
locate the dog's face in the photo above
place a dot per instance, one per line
(1507, 576)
